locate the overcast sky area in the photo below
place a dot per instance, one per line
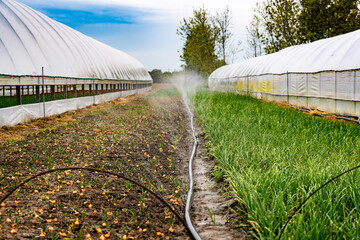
(144, 29)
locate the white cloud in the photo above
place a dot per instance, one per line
(158, 53)
(171, 9)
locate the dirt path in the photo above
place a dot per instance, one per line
(210, 210)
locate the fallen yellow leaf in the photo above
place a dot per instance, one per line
(159, 234)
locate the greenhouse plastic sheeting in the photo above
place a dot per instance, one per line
(29, 40)
(324, 75)
(25, 113)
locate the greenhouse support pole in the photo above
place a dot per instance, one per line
(287, 87)
(65, 88)
(52, 90)
(336, 99)
(95, 92)
(307, 90)
(247, 85)
(43, 88)
(320, 84)
(75, 91)
(37, 92)
(355, 100)
(18, 95)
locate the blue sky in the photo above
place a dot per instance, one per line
(142, 28)
(77, 18)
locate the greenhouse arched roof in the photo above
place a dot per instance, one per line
(29, 40)
(333, 54)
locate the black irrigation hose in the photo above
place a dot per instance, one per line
(102, 171)
(348, 119)
(337, 116)
(312, 194)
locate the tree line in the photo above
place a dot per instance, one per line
(276, 24)
(206, 40)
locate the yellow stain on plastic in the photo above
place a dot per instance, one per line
(239, 85)
(263, 86)
(258, 86)
(268, 86)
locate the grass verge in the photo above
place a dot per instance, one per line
(274, 157)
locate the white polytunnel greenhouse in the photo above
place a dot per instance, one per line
(41, 56)
(323, 75)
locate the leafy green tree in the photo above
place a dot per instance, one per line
(279, 18)
(200, 37)
(161, 77)
(167, 76)
(327, 18)
(156, 75)
(291, 22)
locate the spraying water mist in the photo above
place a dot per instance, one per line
(187, 83)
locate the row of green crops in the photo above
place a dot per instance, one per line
(6, 101)
(274, 157)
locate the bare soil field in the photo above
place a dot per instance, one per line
(141, 137)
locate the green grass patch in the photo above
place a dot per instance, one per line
(169, 92)
(274, 157)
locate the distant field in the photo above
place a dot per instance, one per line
(167, 92)
(274, 157)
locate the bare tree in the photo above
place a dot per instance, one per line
(255, 38)
(234, 49)
(223, 22)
